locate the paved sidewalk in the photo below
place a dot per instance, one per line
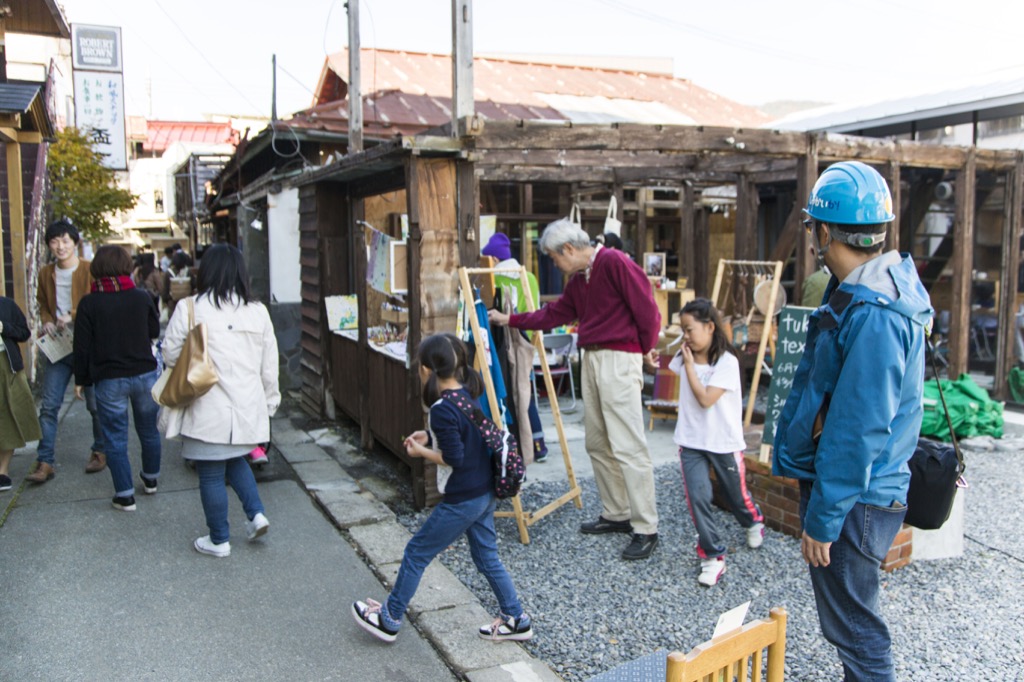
(92, 593)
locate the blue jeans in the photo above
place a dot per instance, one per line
(214, 494)
(846, 591)
(113, 396)
(55, 384)
(473, 517)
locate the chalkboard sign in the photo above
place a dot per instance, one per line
(789, 349)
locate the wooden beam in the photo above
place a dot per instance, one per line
(745, 247)
(963, 261)
(687, 234)
(892, 233)
(701, 253)
(922, 190)
(16, 209)
(807, 175)
(641, 226)
(462, 66)
(468, 212)
(355, 95)
(1013, 204)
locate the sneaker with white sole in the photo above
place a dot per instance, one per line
(258, 455)
(149, 485)
(126, 503)
(369, 617)
(205, 545)
(711, 570)
(508, 628)
(257, 527)
(755, 536)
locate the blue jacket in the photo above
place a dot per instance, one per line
(862, 371)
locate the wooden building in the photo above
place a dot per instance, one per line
(528, 173)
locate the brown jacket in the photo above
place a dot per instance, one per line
(46, 290)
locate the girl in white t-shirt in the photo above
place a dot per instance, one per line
(709, 433)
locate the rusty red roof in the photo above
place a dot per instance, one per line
(162, 134)
(409, 91)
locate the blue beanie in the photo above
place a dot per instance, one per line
(499, 247)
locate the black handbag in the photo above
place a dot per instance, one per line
(936, 472)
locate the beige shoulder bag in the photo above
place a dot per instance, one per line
(194, 374)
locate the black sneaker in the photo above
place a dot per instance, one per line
(368, 616)
(641, 546)
(125, 503)
(603, 525)
(5, 482)
(148, 484)
(508, 628)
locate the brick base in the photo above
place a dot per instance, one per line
(779, 499)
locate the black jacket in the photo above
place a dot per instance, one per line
(113, 333)
(15, 331)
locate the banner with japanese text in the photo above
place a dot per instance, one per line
(99, 113)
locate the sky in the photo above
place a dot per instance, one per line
(185, 59)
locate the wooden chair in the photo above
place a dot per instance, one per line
(664, 404)
(737, 655)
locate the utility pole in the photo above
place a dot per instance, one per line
(462, 63)
(355, 94)
(273, 92)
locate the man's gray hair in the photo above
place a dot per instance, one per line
(562, 232)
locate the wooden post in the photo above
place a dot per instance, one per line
(687, 237)
(963, 262)
(701, 252)
(641, 224)
(468, 199)
(355, 91)
(365, 432)
(806, 176)
(462, 64)
(16, 203)
(745, 247)
(1010, 262)
(892, 233)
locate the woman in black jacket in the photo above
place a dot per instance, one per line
(18, 421)
(114, 329)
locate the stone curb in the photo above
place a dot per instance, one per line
(443, 610)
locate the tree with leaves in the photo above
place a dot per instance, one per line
(84, 190)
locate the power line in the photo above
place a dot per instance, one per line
(208, 62)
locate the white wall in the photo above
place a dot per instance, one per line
(283, 245)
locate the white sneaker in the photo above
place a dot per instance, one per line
(755, 536)
(205, 545)
(257, 527)
(711, 570)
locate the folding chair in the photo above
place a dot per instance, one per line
(557, 347)
(736, 655)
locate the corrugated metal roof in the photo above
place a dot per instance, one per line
(162, 134)
(413, 90)
(16, 98)
(998, 96)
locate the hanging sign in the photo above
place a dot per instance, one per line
(99, 113)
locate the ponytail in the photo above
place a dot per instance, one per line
(446, 356)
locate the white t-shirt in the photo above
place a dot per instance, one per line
(64, 290)
(718, 428)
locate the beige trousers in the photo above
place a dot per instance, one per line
(614, 422)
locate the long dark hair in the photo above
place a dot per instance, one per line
(147, 265)
(446, 357)
(703, 310)
(222, 274)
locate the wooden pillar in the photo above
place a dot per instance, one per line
(641, 224)
(16, 203)
(355, 94)
(963, 263)
(462, 66)
(468, 200)
(892, 234)
(1010, 262)
(687, 238)
(806, 176)
(746, 219)
(433, 217)
(701, 253)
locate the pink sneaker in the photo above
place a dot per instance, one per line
(258, 455)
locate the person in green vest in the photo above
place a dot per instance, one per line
(499, 247)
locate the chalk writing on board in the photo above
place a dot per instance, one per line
(793, 322)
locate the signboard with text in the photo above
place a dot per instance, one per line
(96, 48)
(789, 348)
(99, 113)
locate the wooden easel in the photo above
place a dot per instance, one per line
(524, 519)
(773, 269)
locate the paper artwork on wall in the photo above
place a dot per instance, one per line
(342, 312)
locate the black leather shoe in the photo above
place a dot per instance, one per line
(641, 546)
(603, 525)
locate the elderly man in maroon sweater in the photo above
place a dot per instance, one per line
(610, 297)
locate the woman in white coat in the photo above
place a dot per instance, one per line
(223, 426)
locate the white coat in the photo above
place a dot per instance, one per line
(243, 350)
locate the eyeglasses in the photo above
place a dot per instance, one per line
(809, 224)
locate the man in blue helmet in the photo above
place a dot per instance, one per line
(853, 417)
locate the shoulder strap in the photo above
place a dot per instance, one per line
(475, 415)
(945, 410)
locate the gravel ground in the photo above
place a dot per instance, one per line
(950, 619)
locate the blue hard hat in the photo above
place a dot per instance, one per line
(850, 193)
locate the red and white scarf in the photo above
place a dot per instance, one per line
(112, 284)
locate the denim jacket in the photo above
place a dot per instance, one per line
(862, 373)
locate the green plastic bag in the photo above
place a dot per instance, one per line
(971, 410)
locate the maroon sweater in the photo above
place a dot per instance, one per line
(615, 309)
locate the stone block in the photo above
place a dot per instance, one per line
(454, 633)
(520, 671)
(439, 589)
(303, 452)
(322, 475)
(348, 509)
(382, 543)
